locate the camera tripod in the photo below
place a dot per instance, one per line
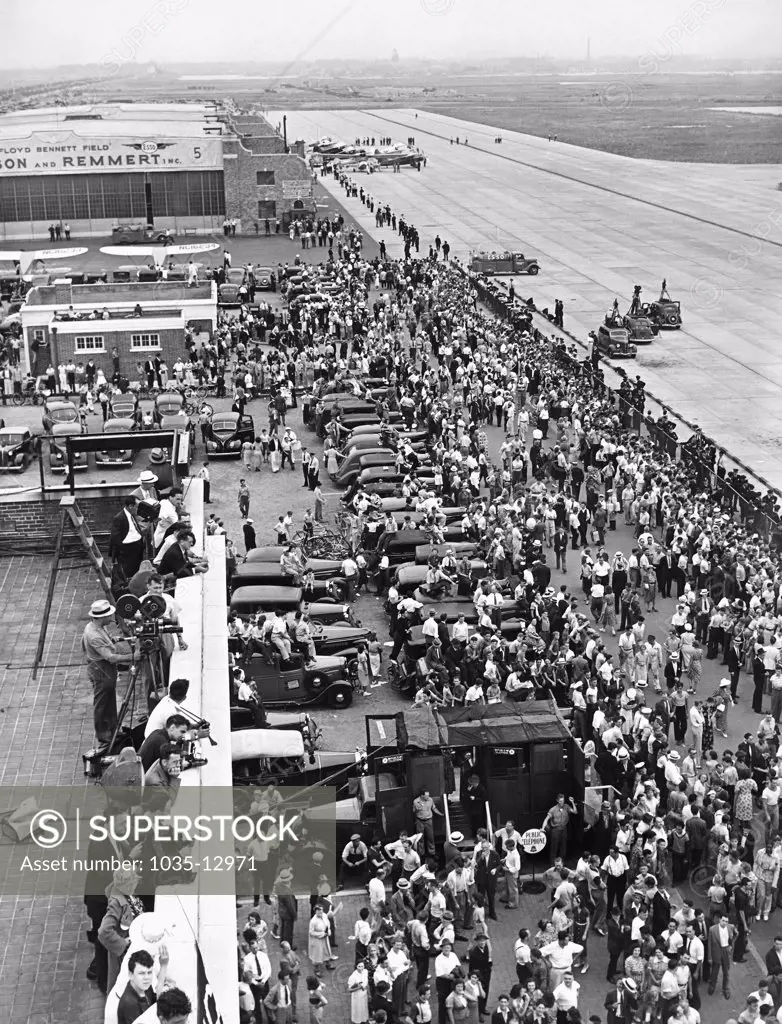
(147, 666)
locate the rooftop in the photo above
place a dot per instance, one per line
(116, 121)
(97, 295)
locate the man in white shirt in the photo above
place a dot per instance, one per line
(615, 868)
(377, 896)
(445, 964)
(257, 971)
(566, 994)
(171, 704)
(559, 956)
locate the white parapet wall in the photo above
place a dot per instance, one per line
(211, 919)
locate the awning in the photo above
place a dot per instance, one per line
(482, 725)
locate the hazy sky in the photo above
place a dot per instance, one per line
(50, 32)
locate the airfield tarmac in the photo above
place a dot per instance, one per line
(600, 224)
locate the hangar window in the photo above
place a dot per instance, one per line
(89, 343)
(267, 208)
(264, 177)
(142, 342)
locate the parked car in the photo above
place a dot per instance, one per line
(279, 683)
(125, 407)
(135, 234)
(115, 458)
(17, 449)
(227, 432)
(267, 574)
(615, 342)
(58, 411)
(169, 403)
(230, 292)
(409, 576)
(248, 600)
(58, 457)
(640, 329)
(265, 279)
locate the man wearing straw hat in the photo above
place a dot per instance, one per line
(104, 655)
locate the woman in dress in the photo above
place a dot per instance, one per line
(707, 743)
(318, 949)
(375, 658)
(743, 802)
(456, 1004)
(364, 670)
(358, 986)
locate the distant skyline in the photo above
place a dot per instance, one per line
(52, 33)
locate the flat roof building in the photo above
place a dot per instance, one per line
(187, 167)
(63, 321)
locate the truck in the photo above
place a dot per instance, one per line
(494, 264)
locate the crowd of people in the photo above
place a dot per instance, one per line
(568, 471)
(567, 476)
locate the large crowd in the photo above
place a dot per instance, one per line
(568, 471)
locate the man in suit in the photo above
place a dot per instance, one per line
(175, 561)
(278, 1001)
(126, 543)
(721, 939)
(487, 864)
(774, 970)
(621, 1003)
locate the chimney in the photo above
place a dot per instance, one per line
(63, 292)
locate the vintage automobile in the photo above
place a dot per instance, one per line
(229, 293)
(268, 553)
(403, 545)
(459, 549)
(360, 459)
(492, 264)
(640, 329)
(17, 449)
(614, 341)
(227, 432)
(169, 403)
(267, 574)
(58, 410)
(123, 457)
(665, 313)
(265, 279)
(283, 757)
(248, 600)
(58, 455)
(328, 681)
(125, 407)
(135, 234)
(409, 576)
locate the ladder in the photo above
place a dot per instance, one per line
(68, 505)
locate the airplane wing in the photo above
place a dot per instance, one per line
(26, 257)
(159, 253)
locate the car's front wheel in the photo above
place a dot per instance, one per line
(533, 270)
(340, 696)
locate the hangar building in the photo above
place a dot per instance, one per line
(183, 166)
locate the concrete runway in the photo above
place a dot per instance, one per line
(599, 224)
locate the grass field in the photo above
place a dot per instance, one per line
(656, 117)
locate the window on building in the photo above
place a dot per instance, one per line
(298, 204)
(39, 335)
(267, 208)
(89, 343)
(143, 342)
(264, 177)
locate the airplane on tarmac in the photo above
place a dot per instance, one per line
(160, 254)
(34, 260)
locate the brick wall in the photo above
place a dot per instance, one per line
(172, 346)
(242, 192)
(39, 520)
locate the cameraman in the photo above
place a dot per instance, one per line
(168, 641)
(173, 735)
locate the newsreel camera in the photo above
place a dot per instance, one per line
(145, 618)
(148, 631)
